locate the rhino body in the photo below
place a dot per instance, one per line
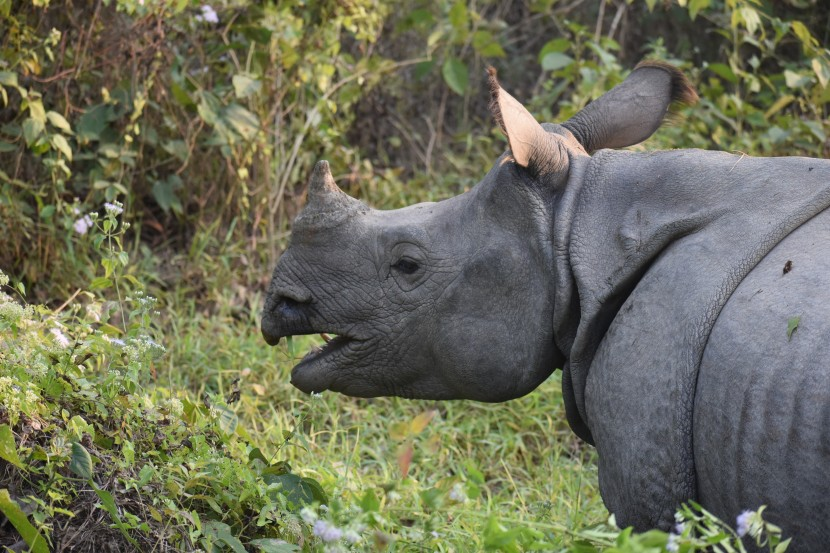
(661, 283)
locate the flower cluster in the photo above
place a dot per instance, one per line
(208, 15)
(116, 208)
(742, 523)
(83, 224)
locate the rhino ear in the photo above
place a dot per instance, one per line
(532, 147)
(631, 111)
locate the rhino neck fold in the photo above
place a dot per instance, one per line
(658, 242)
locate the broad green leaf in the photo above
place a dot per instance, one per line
(32, 129)
(556, 60)
(697, 6)
(164, 192)
(455, 74)
(271, 545)
(242, 121)
(295, 489)
(370, 502)
(723, 71)
(7, 147)
(81, 462)
(47, 212)
(36, 110)
(8, 78)
(100, 283)
(555, 45)
(792, 326)
(8, 448)
(93, 122)
(13, 512)
(486, 45)
(459, 18)
(221, 531)
(227, 419)
(822, 70)
(803, 33)
(58, 121)
(60, 143)
(244, 85)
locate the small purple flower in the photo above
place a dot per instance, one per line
(679, 527)
(672, 545)
(83, 225)
(114, 208)
(326, 531)
(208, 15)
(743, 522)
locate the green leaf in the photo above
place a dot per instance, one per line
(697, 6)
(241, 120)
(369, 502)
(270, 545)
(555, 45)
(296, 490)
(486, 45)
(822, 70)
(8, 78)
(221, 531)
(13, 512)
(32, 129)
(58, 121)
(723, 71)
(556, 60)
(36, 111)
(7, 147)
(459, 18)
(108, 502)
(8, 448)
(228, 420)
(244, 85)
(81, 462)
(164, 192)
(792, 326)
(455, 75)
(60, 143)
(47, 212)
(92, 123)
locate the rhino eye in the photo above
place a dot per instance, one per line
(405, 266)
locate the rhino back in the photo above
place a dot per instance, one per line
(660, 243)
(762, 408)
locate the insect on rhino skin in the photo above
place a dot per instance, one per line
(653, 280)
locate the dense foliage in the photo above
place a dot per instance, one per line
(161, 147)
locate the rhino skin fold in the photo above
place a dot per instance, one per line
(653, 280)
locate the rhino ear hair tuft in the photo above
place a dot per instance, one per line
(495, 89)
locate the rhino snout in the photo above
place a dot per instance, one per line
(283, 316)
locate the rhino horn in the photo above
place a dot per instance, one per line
(532, 147)
(327, 205)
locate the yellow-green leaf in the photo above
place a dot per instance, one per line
(455, 74)
(792, 326)
(13, 512)
(58, 121)
(60, 143)
(8, 449)
(421, 421)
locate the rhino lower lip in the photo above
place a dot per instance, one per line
(313, 372)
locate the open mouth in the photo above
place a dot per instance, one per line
(333, 344)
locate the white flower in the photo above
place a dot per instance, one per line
(327, 531)
(672, 546)
(116, 208)
(83, 224)
(60, 338)
(743, 522)
(457, 494)
(208, 15)
(308, 515)
(117, 342)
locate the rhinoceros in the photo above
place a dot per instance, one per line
(666, 285)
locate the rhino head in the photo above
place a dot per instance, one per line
(454, 299)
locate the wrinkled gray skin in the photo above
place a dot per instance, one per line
(654, 280)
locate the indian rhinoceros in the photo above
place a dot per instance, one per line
(666, 285)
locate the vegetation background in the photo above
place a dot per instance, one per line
(152, 157)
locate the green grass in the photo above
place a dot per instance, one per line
(535, 472)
